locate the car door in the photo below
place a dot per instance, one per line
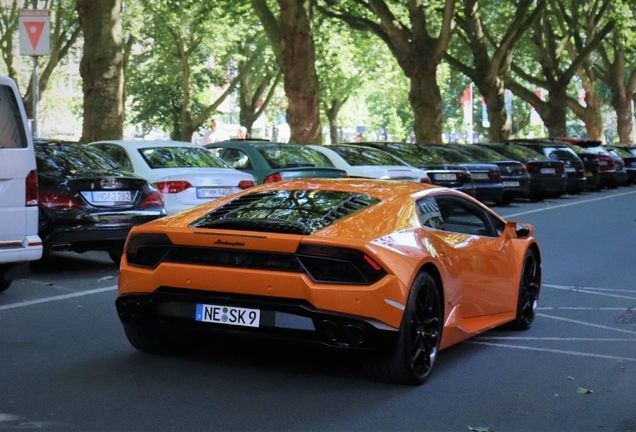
(474, 243)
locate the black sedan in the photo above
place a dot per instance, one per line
(592, 167)
(629, 160)
(271, 162)
(558, 150)
(514, 175)
(87, 201)
(486, 176)
(547, 177)
(612, 167)
(440, 172)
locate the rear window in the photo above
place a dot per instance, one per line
(520, 153)
(355, 156)
(414, 154)
(483, 154)
(287, 211)
(180, 157)
(293, 156)
(69, 159)
(561, 153)
(621, 152)
(454, 156)
(12, 133)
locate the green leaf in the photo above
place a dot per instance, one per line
(106, 278)
(582, 390)
(479, 429)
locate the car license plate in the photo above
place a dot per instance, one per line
(570, 169)
(511, 184)
(588, 174)
(213, 192)
(112, 196)
(228, 315)
(548, 171)
(480, 176)
(445, 176)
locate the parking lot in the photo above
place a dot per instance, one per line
(68, 366)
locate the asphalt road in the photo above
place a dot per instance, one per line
(65, 363)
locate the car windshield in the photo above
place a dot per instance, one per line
(356, 156)
(180, 157)
(413, 154)
(454, 156)
(520, 153)
(290, 156)
(482, 154)
(69, 159)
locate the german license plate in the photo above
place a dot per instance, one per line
(213, 192)
(548, 171)
(588, 174)
(511, 184)
(570, 169)
(480, 176)
(228, 315)
(111, 196)
(445, 176)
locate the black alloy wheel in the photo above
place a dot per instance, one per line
(412, 359)
(529, 289)
(4, 283)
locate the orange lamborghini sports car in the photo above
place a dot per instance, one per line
(399, 270)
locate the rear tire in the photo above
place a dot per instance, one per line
(529, 290)
(154, 342)
(115, 256)
(4, 283)
(411, 359)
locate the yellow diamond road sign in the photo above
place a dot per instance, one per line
(35, 32)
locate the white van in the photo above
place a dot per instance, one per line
(19, 241)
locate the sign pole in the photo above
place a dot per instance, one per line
(36, 88)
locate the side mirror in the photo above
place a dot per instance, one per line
(519, 230)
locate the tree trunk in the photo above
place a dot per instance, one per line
(500, 125)
(554, 117)
(187, 128)
(426, 102)
(623, 118)
(332, 116)
(101, 69)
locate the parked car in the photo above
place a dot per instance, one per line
(272, 162)
(393, 270)
(629, 160)
(186, 174)
(89, 202)
(514, 175)
(558, 150)
(547, 177)
(612, 167)
(486, 176)
(439, 171)
(368, 162)
(19, 240)
(592, 167)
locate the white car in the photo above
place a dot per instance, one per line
(186, 174)
(368, 162)
(19, 240)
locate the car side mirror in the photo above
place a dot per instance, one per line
(519, 230)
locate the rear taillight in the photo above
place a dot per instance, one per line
(155, 199)
(532, 169)
(52, 201)
(494, 175)
(147, 250)
(171, 187)
(32, 188)
(245, 184)
(560, 168)
(337, 265)
(272, 178)
(425, 180)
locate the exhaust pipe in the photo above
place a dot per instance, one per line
(60, 248)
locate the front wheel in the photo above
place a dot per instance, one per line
(412, 358)
(529, 289)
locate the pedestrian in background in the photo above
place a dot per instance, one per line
(215, 134)
(242, 133)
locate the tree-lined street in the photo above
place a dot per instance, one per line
(68, 366)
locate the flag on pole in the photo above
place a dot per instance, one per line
(467, 103)
(484, 114)
(535, 118)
